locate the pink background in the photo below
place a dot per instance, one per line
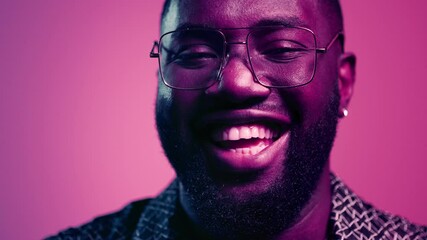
(77, 89)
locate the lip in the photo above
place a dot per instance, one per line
(226, 160)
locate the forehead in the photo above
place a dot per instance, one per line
(239, 13)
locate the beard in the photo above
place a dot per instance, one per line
(262, 215)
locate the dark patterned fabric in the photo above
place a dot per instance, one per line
(162, 218)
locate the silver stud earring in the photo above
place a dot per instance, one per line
(344, 112)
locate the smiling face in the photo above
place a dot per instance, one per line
(249, 157)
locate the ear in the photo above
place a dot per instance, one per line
(346, 79)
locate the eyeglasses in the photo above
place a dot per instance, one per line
(279, 56)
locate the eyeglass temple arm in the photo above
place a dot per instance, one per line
(324, 49)
(152, 53)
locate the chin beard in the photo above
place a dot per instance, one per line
(263, 215)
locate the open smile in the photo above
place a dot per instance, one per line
(245, 140)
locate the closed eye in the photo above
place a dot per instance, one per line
(195, 57)
(283, 54)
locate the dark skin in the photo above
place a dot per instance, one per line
(237, 97)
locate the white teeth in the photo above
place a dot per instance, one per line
(254, 132)
(250, 150)
(267, 133)
(261, 133)
(233, 134)
(255, 150)
(246, 150)
(245, 132)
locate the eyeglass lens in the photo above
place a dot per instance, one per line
(279, 56)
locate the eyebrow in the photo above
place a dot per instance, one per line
(190, 25)
(287, 22)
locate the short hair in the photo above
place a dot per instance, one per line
(331, 10)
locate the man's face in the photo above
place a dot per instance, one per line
(245, 153)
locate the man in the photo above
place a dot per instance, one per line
(249, 96)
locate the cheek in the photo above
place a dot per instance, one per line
(185, 102)
(308, 103)
(318, 94)
(180, 105)
(315, 104)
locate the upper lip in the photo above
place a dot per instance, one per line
(242, 117)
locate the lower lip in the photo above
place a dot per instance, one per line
(228, 160)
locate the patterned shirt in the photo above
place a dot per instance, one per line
(161, 218)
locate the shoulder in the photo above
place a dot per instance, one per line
(118, 225)
(351, 217)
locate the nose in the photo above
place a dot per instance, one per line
(236, 82)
